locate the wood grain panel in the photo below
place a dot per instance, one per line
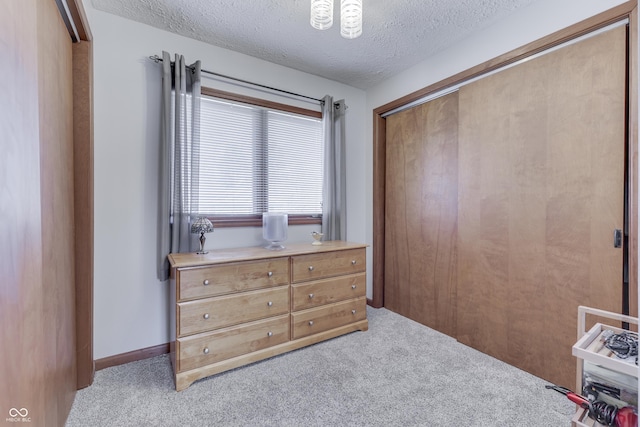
(83, 207)
(327, 291)
(231, 342)
(483, 248)
(585, 191)
(232, 277)
(541, 188)
(317, 266)
(37, 294)
(57, 193)
(321, 319)
(21, 364)
(421, 213)
(211, 313)
(379, 195)
(625, 10)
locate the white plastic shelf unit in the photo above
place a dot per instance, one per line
(590, 348)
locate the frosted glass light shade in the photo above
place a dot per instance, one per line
(321, 14)
(274, 229)
(350, 18)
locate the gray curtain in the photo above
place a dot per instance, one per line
(334, 197)
(179, 154)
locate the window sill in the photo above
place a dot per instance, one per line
(256, 221)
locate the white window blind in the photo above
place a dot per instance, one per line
(255, 159)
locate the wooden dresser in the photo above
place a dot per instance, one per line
(232, 307)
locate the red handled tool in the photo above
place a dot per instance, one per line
(574, 397)
(603, 413)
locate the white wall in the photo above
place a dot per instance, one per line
(130, 304)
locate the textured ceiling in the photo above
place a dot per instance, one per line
(397, 33)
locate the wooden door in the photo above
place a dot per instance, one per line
(421, 213)
(541, 187)
(37, 289)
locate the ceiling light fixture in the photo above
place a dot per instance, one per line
(350, 16)
(321, 14)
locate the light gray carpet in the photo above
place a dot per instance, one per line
(399, 373)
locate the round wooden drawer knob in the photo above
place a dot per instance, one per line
(310, 296)
(353, 312)
(311, 268)
(353, 262)
(206, 350)
(206, 282)
(270, 274)
(206, 316)
(310, 322)
(270, 303)
(353, 286)
(270, 334)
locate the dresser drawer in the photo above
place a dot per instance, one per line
(327, 291)
(219, 312)
(224, 279)
(315, 320)
(328, 264)
(203, 349)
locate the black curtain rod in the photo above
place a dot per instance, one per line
(156, 59)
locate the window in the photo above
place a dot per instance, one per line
(257, 156)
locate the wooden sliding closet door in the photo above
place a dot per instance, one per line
(541, 187)
(421, 213)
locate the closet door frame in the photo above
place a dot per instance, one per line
(624, 11)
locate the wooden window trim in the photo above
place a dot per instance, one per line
(256, 220)
(215, 93)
